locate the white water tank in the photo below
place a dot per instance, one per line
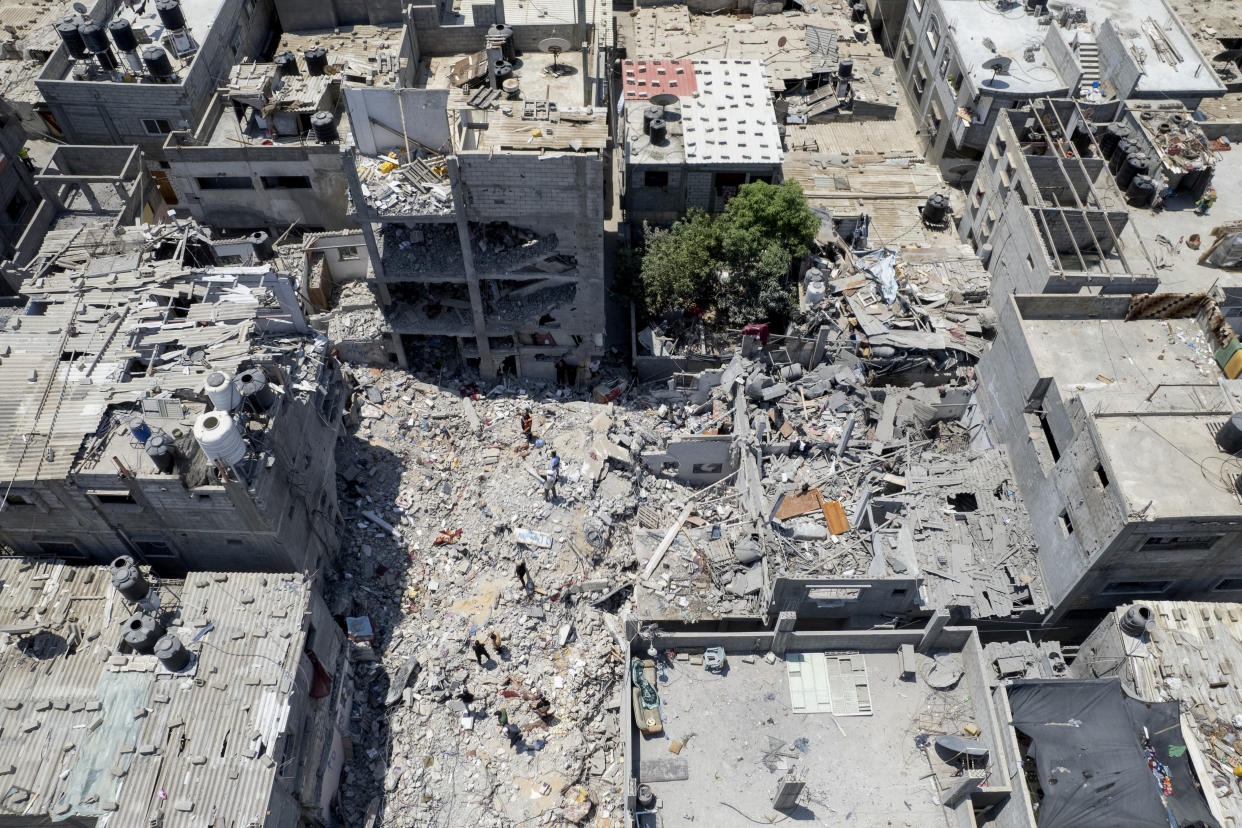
(815, 292)
(219, 437)
(222, 392)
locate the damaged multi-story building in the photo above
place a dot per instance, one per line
(959, 78)
(480, 190)
(168, 401)
(270, 150)
(19, 197)
(221, 698)
(1118, 413)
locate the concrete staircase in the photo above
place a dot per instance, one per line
(1089, 58)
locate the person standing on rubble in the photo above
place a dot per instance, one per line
(495, 639)
(523, 576)
(480, 651)
(528, 424)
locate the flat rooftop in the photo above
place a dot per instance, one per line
(1155, 395)
(1177, 64)
(719, 113)
(1010, 34)
(123, 726)
(200, 16)
(858, 752)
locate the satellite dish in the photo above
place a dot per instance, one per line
(554, 46)
(999, 65)
(80, 8)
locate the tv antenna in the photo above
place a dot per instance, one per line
(554, 46)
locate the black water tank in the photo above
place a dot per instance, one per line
(172, 653)
(128, 579)
(316, 60)
(1229, 438)
(845, 70)
(859, 12)
(1136, 621)
(659, 129)
(162, 451)
(1124, 149)
(157, 62)
(141, 632)
(286, 64)
(1136, 163)
(69, 33)
(503, 33)
(170, 14)
(936, 208)
(1110, 136)
(324, 125)
(650, 114)
(123, 35)
(1141, 191)
(504, 71)
(94, 38)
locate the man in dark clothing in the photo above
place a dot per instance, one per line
(528, 423)
(521, 573)
(480, 651)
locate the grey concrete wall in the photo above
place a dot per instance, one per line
(19, 198)
(695, 460)
(375, 116)
(97, 112)
(1116, 62)
(876, 598)
(436, 38)
(324, 205)
(301, 15)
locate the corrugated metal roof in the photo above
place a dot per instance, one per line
(85, 343)
(93, 731)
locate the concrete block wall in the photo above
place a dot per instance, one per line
(96, 112)
(19, 198)
(1117, 65)
(302, 16)
(437, 39)
(322, 206)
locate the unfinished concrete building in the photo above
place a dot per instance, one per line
(133, 75)
(93, 191)
(480, 191)
(269, 150)
(960, 77)
(19, 198)
(1046, 211)
(694, 132)
(1112, 408)
(221, 698)
(168, 405)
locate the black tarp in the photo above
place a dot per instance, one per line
(1086, 740)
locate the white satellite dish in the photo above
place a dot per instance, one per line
(554, 46)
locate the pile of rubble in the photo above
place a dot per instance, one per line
(443, 497)
(355, 325)
(396, 188)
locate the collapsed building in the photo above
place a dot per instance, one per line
(217, 698)
(480, 191)
(168, 401)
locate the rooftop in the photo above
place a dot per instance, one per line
(124, 726)
(148, 28)
(843, 717)
(126, 328)
(1145, 372)
(722, 115)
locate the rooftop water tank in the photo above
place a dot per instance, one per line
(72, 38)
(157, 62)
(128, 579)
(219, 438)
(170, 14)
(223, 394)
(316, 60)
(162, 451)
(324, 125)
(142, 631)
(172, 653)
(123, 35)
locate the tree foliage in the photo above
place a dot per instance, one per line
(752, 245)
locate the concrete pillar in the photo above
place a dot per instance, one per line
(784, 632)
(821, 341)
(487, 367)
(931, 632)
(89, 193)
(965, 786)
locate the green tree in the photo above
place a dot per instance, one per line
(759, 291)
(681, 264)
(761, 214)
